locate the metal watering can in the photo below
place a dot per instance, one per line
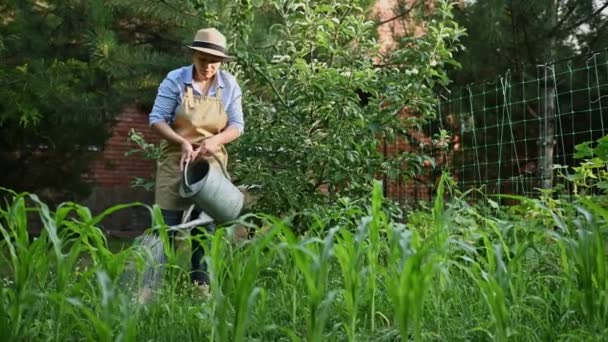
(209, 188)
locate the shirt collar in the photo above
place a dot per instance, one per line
(187, 76)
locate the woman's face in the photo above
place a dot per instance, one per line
(206, 65)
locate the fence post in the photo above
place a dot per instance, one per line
(547, 132)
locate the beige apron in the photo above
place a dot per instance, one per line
(197, 118)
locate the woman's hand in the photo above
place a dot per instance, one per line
(187, 154)
(207, 148)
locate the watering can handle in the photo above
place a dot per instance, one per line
(224, 171)
(185, 173)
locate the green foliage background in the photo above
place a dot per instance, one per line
(322, 99)
(67, 69)
(318, 94)
(520, 35)
(542, 64)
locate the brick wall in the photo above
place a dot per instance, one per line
(416, 189)
(412, 190)
(111, 175)
(423, 186)
(113, 168)
(384, 11)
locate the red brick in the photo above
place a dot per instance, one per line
(112, 168)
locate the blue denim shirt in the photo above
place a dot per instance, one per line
(172, 89)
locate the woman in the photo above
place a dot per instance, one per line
(197, 110)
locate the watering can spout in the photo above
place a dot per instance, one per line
(206, 185)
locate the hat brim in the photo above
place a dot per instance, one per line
(211, 52)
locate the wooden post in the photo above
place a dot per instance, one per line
(547, 130)
(547, 122)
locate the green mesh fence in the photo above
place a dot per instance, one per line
(507, 135)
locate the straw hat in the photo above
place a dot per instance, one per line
(210, 41)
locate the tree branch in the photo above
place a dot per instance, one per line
(321, 178)
(400, 15)
(531, 58)
(513, 33)
(557, 29)
(597, 36)
(274, 88)
(178, 10)
(566, 16)
(331, 59)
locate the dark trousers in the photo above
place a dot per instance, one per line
(198, 271)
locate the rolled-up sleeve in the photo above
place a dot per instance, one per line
(165, 103)
(235, 110)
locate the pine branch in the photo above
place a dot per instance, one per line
(178, 10)
(567, 15)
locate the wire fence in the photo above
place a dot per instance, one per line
(506, 136)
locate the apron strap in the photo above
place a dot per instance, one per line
(190, 96)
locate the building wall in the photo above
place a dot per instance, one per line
(112, 174)
(114, 168)
(391, 27)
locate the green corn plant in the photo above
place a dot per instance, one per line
(36, 270)
(583, 258)
(99, 323)
(233, 273)
(413, 264)
(247, 262)
(153, 260)
(288, 280)
(374, 224)
(439, 233)
(99, 313)
(312, 257)
(408, 277)
(489, 275)
(491, 268)
(516, 278)
(21, 261)
(51, 275)
(99, 286)
(350, 256)
(218, 262)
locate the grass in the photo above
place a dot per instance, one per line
(117, 245)
(536, 271)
